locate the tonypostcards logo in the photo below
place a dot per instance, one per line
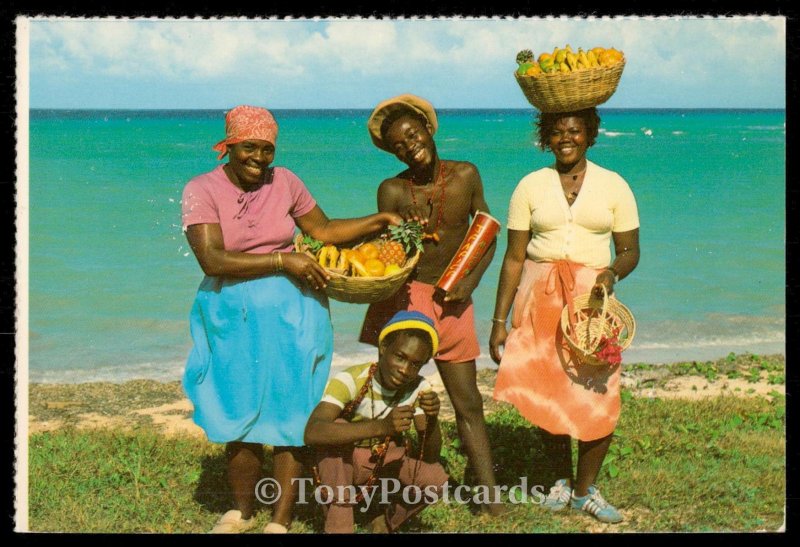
(268, 491)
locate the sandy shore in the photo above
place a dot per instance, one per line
(163, 406)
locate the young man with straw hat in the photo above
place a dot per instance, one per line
(443, 195)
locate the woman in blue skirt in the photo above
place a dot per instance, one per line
(260, 323)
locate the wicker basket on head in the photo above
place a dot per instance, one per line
(571, 91)
(363, 290)
(591, 318)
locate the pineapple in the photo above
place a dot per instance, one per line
(402, 241)
(392, 252)
(525, 56)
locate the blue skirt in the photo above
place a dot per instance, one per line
(260, 361)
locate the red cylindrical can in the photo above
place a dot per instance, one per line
(479, 236)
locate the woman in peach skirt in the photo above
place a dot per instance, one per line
(561, 222)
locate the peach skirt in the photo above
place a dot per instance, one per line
(537, 372)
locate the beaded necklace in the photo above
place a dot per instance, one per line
(379, 450)
(440, 175)
(572, 195)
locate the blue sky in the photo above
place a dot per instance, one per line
(685, 62)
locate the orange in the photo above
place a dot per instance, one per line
(546, 58)
(356, 254)
(533, 70)
(369, 250)
(374, 267)
(610, 57)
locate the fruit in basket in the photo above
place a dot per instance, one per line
(322, 256)
(583, 60)
(391, 269)
(392, 253)
(525, 56)
(533, 70)
(525, 61)
(409, 235)
(565, 60)
(610, 57)
(357, 265)
(572, 61)
(342, 263)
(333, 256)
(374, 267)
(546, 62)
(369, 250)
(525, 67)
(355, 254)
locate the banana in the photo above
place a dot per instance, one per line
(583, 59)
(343, 263)
(333, 255)
(358, 267)
(561, 55)
(322, 257)
(569, 49)
(572, 61)
(592, 58)
(564, 68)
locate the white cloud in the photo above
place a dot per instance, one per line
(689, 52)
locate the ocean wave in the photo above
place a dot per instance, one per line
(721, 341)
(618, 134)
(705, 337)
(165, 371)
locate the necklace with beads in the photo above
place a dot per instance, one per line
(440, 175)
(572, 193)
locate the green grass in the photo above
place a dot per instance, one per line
(749, 366)
(675, 465)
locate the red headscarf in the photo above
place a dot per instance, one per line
(244, 123)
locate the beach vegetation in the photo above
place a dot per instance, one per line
(714, 464)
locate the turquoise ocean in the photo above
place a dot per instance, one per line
(112, 278)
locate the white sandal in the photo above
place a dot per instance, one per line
(232, 523)
(275, 528)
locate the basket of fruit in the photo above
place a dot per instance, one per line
(370, 271)
(565, 81)
(597, 330)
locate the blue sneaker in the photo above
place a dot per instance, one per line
(594, 504)
(559, 496)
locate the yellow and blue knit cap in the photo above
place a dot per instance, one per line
(404, 320)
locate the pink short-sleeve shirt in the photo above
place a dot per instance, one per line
(261, 221)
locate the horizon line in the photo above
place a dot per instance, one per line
(140, 109)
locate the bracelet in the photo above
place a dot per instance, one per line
(496, 320)
(279, 258)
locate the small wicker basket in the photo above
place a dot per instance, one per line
(364, 290)
(568, 92)
(593, 318)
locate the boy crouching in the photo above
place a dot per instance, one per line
(358, 429)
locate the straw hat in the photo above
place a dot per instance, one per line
(406, 101)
